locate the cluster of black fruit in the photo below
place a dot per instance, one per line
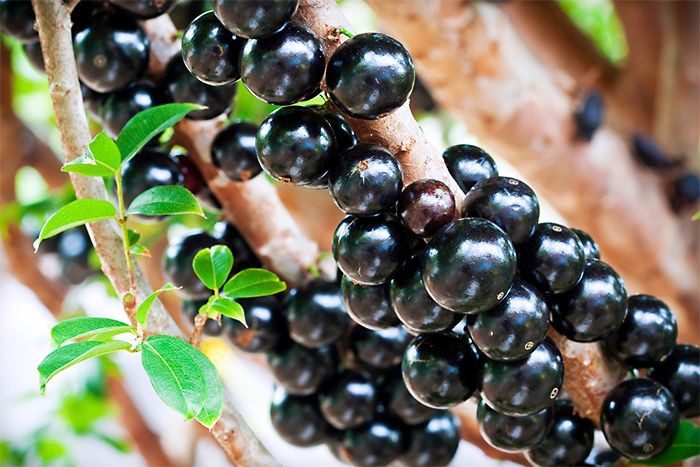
(71, 251)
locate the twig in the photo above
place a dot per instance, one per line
(53, 20)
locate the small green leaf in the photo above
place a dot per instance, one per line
(213, 265)
(685, 444)
(78, 212)
(85, 165)
(84, 327)
(146, 124)
(214, 391)
(224, 306)
(253, 282)
(174, 373)
(147, 303)
(138, 249)
(105, 151)
(134, 236)
(68, 355)
(119, 445)
(49, 450)
(165, 200)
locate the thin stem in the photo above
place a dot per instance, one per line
(121, 218)
(199, 322)
(345, 32)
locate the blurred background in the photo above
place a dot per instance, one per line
(594, 103)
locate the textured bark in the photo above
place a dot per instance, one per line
(515, 106)
(53, 21)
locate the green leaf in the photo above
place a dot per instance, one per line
(105, 151)
(78, 212)
(147, 303)
(224, 306)
(81, 328)
(166, 200)
(145, 125)
(685, 444)
(49, 450)
(68, 355)
(86, 165)
(253, 282)
(134, 236)
(213, 265)
(174, 373)
(119, 445)
(214, 391)
(139, 249)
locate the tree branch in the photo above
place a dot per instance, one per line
(53, 21)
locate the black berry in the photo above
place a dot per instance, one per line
(17, 20)
(469, 165)
(589, 115)
(302, 370)
(265, 328)
(379, 349)
(73, 248)
(590, 247)
(378, 442)
(425, 206)
(285, 67)
(370, 75)
(526, 386)
(297, 419)
(123, 104)
(513, 433)
(177, 263)
(368, 305)
(254, 18)
(295, 145)
(680, 374)
(345, 136)
(568, 442)
(233, 151)
(148, 169)
(685, 191)
(639, 418)
(348, 401)
(370, 249)
(243, 255)
(365, 180)
(594, 308)
(650, 154)
(185, 11)
(435, 442)
(144, 9)
(440, 369)
(402, 404)
(316, 314)
(553, 259)
(469, 265)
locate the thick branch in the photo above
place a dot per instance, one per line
(53, 21)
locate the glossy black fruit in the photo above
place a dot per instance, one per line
(370, 249)
(441, 370)
(589, 115)
(285, 67)
(177, 262)
(553, 259)
(590, 247)
(646, 336)
(421, 100)
(401, 403)
(594, 308)
(190, 308)
(144, 9)
(210, 51)
(295, 145)
(514, 327)
(316, 314)
(568, 442)
(345, 136)
(148, 169)
(297, 419)
(111, 52)
(73, 250)
(412, 304)
(33, 51)
(469, 165)
(513, 433)
(376, 443)
(243, 255)
(302, 370)
(184, 87)
(508, 203)
(433, 443)
(254, 18)
(186, 10)
(266, 326)
(603, 458)
(379, 349)
(526, 386)
(685, 191)
(370, 75)
(121, 105)
(17, 20)
(368, 305)
(680, 374)
(425, 206)
(233, 151)
(469, 265)
(650, 154)
(639, 418)
(348, 401)
(365, 180)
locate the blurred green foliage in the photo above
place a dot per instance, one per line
(599, 21)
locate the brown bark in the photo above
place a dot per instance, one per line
(513, 104)
(53, 21)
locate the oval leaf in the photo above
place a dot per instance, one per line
(685, 444)
(174, 373)
(167, 200)
(145, 125)
(78, 212)
(81, 328)
(85, 165)
(214, 391)
(147, 303)
(68, 355)
(253, 282)
(224, 306)
(104, 151)
(213, 265)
